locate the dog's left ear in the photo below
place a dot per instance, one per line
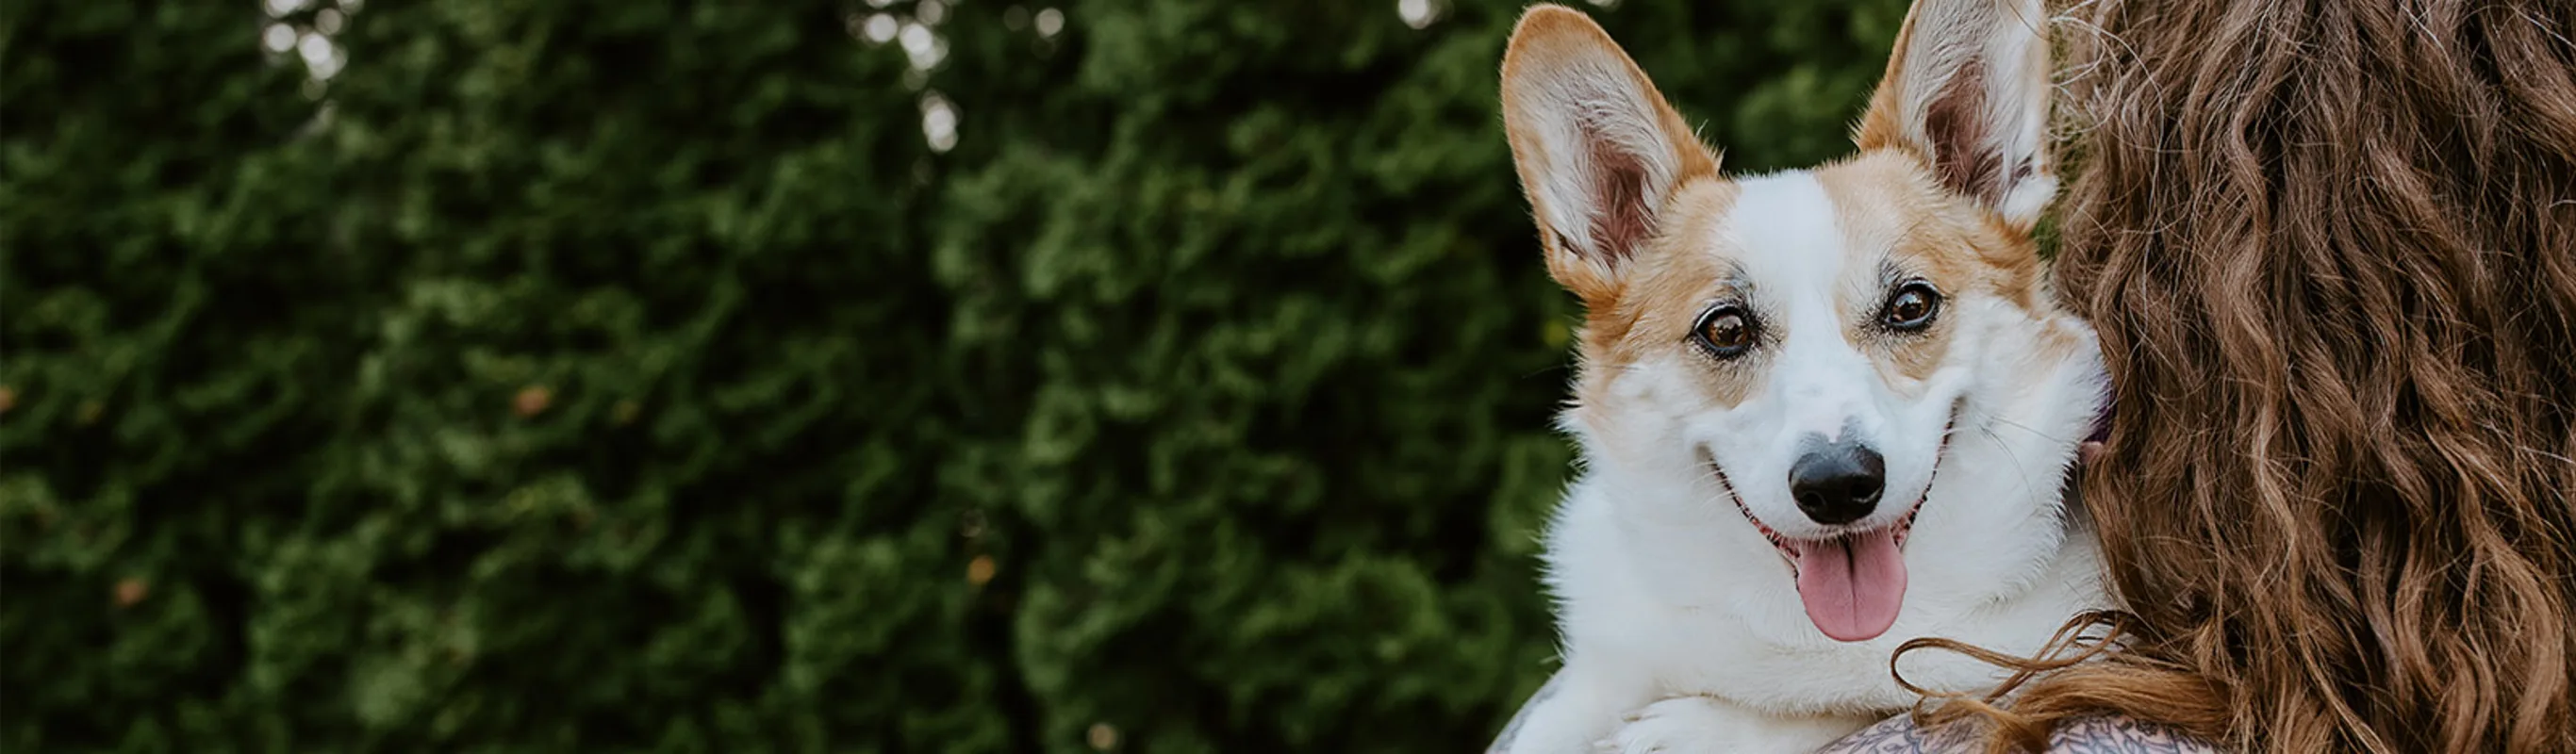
(1967, 90)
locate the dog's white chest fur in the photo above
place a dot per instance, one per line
(1672, 637)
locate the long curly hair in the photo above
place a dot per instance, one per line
(2330, 246)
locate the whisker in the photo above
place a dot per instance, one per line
(2025, 428)
(2016, 460)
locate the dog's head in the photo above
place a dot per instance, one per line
(1798, 347)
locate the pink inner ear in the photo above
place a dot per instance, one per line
(1619, 184)
(1963, 149)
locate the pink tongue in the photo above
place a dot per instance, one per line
(1854, 585)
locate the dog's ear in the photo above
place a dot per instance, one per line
(1967, 90)
(1598, 149)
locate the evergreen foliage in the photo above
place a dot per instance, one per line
(587, 375)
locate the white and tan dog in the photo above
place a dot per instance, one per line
(1820, 411)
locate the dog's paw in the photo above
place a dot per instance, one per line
(1702, 725)
(1680, 725)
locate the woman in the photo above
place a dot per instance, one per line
(2330, 246)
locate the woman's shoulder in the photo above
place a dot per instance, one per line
(2092, 735)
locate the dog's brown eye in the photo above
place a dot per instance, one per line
(1726, 331)
(1913, 307)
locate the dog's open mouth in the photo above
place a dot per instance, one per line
(1852, 583)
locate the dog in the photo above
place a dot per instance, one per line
(1819, 411)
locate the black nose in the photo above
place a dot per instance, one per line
(1837, 483)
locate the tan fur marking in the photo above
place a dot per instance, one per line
(1666, 290)
(1679, 270)
(1880, 126)
(1889, 207)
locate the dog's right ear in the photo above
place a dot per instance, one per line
(1599, 150)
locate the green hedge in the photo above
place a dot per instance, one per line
(635, 375)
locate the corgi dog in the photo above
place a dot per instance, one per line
(1820, 412)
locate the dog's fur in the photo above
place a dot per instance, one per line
(1682, 620)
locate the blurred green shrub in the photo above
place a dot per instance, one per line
(637, 375)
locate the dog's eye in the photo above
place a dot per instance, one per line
(1726, 331)
(1913, 306)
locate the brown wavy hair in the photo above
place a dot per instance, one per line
(2330, 246)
